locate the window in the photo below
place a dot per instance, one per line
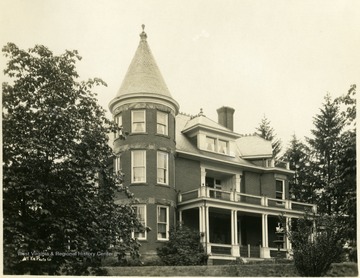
(140, 211)
(217, 145)
(162, 167)
(162, 123)
(138, 121)
(138, 165)
(162, 222)
(118, 121)
(280, 189)
(117, 164)
(210, 144)
(223, 146)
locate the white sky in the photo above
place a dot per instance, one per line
(273, 58)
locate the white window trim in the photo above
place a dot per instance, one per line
(283, 189)
(132, 167)
(117, 164)
(118, 123)
(167, 168)
(132, 120)
(166, 122)
(145, 217)
(217, 146)
(167, 223)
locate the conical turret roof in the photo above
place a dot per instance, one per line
(143, 75)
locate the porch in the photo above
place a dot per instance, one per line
(234, 224)
(244, 199)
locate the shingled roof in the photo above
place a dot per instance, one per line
(143, 75)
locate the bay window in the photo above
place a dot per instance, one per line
(162, 223)
(162, 167)
(138, 120)
(138, 166)
(162, 123)
(140, 211)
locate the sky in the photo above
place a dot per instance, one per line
(263, 58)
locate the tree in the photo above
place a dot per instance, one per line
(317, 242)
(268, 133)
(301, 187)
(325, 156)
(347, 161)
(183, 248)
(56, 206)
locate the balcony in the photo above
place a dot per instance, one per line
(246, 199)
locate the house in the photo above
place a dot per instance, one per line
(197, 171)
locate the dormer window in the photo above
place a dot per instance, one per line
(210, 144)
(162, 123)
(223, 146)
(138, 120)
(217, 145)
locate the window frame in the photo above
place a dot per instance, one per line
(118, 121)
(133, 122)
(207, 144)
(166, 125)
(144, 224)
(117, 164)
(140, 166)
(160, 168)
(226, 146)
(159, 207)
(282, 187)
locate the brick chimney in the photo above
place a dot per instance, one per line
(226, 117)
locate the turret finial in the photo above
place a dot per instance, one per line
(143, 35)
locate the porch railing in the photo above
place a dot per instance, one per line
(220, 249)
(233, 196)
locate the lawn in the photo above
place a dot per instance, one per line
(250, 270)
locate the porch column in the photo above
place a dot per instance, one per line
(207, 232)
(203, 176)
(202, 224)
(264, 251)
(237, 182)
(180, 218)
(235, 250)
(287, 241)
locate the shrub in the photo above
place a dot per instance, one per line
(314, 250)
(183, 248)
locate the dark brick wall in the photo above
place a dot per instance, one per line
(252, 183)
(268, 185)
(149, 245)
(187, 174)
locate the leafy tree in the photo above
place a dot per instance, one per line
(268, 133)
(347, 161)
(317, 242)
(325, 146)
(301, 187)
(55, 145)
(183, 248)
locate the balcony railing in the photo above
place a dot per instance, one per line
(245, 199)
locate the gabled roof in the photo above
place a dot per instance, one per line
(143, 75)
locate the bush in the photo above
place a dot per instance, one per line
(183, 248)
(314, 250)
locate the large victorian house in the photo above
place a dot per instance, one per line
(197, 171)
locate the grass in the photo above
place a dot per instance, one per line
(251, 270)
